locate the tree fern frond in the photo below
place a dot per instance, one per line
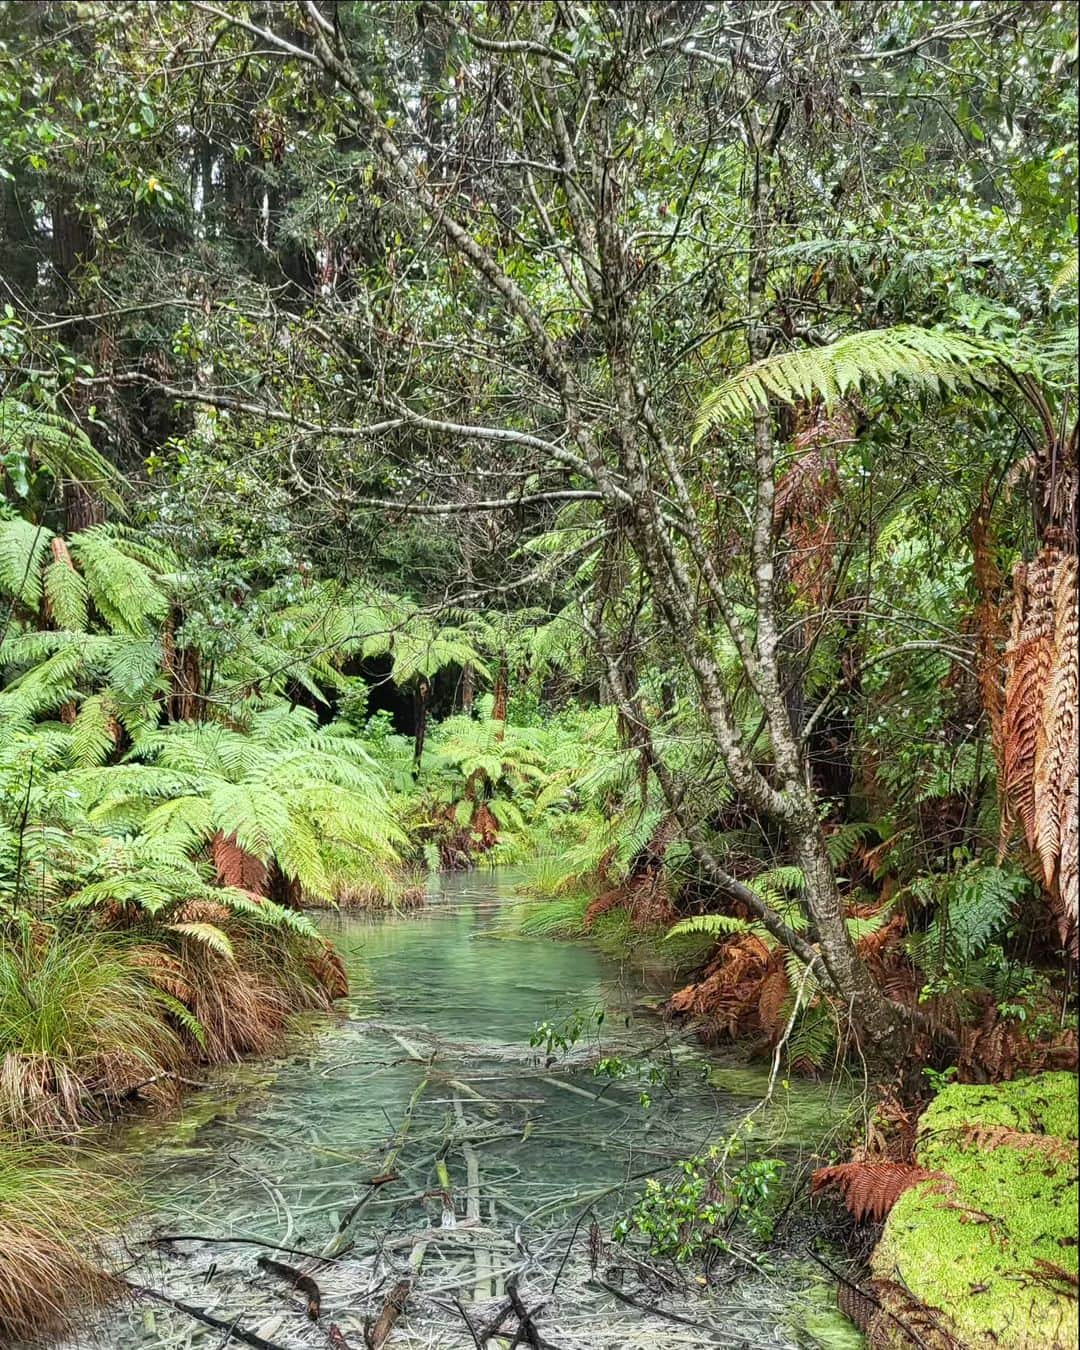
(60, 446)
(23, 547)
(209, 934)
(125, 591)
(188, 821)
(842, 842)
(93, 733)
(67, 596)
(1066, 275)
(258, 818)
(135, 665)
(935, 360)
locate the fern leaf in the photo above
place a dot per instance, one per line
(23, 546)
(66, 594)
(183, 1014)
(209, 934)
(125, 591)
(870, 1189)
(1065, 277)
(716, 925)
(935, 360)
(60, 446)
(94, 731)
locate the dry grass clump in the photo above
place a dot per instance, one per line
(53, 1220)
(239, 1002)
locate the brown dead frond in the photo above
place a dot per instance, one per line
(727, 998)
(329, 971)
(243, 1003)
(1040, 723)
(997, 1136)
(870, 1189)
(804, 495)
(772, 998)
(236, 867)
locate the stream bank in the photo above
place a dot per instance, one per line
(421, 1127)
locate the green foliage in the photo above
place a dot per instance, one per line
(56, 1215)
(696, 1211)
(37, 437)
(971, 907)
(927, 359)
(78, 1018)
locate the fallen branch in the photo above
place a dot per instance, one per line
(651, 1308)
(235, 1331)
(468, 1322)
(376, 1332)
(298, 1280)
(386, 1171)
(236, 1241)
(524, 1317)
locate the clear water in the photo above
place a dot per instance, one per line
(536, 1154)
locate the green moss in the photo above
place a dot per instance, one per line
(971, 1250)
(1045, 1104)
(816, 1322)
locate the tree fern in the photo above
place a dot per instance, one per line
(930, 359)
(59, 446)
(125, 591)
(23, 548)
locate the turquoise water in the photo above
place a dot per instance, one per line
(536, 1148)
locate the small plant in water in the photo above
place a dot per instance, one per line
(698, 1208)
(561, 1037)
(646, 1074)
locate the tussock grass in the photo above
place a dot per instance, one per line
(80, 1025)
(53, 1220)
(242, 1003)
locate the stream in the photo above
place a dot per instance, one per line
(427, 1076)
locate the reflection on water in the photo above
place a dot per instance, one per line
(439, 999)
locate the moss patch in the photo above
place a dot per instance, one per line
(982, 1252)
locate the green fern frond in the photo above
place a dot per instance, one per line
(92, 739)
(716, 925)
(841, 843)
(1066, 275)
(209, 934)
(931, 359)
(126, 592)
(59, 446)
(783, 878)
(188, 821)
(186, 1018)
(67, 596)
(23, 547)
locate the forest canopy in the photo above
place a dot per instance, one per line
(636, 439)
